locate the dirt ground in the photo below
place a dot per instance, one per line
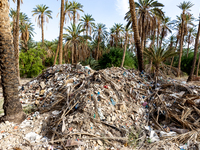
(23, 81)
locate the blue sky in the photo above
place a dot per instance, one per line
(103, 11)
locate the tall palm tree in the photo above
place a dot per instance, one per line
(75, 8)
(16, 37)
(195, 55)
(127, 30)
(88, 22)
(118, 28)
(67, 15)
(136, 35)
(12, 107)
(73, 37)
(43, 16)
(165, 28)
(61, 31)
(99, 33)
(146, 12)
(185, 7)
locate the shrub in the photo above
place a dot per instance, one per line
(31, 62)
(114, 58)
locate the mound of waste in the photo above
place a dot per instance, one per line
(112, 108)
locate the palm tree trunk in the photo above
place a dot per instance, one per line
(16, 40)
(12, 107)
(181, 46)
(55, 59)
(195, 55)
(143, 35)
(197, 70)
(61, 32)
(174, 50)
(74, 17)
(136, 35)
(72, 53)
(124, 54)
(98, 43)
(42, 27)
(188, 44)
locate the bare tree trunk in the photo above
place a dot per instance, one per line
(181, 46)
(195, 55)
(12, 107)
(42, 27)
(16, 40)
(61, 32)
(143, 35)
(124, 54)
(136, 35)
(55, 59)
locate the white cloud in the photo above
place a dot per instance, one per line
(122, 6)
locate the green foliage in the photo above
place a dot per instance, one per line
(31, 62)
(114, 58)
(92, 63)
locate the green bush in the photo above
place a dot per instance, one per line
(114, 58)
(31, 63)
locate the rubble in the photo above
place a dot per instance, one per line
(114, 108)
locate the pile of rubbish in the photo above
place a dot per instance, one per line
(112, 108)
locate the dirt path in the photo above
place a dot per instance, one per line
(23, 81)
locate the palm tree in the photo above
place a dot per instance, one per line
(158, 56)
(118, 28)
(73, 38)
(195, 55)
(185, 7)
(43, 16)
(75, 8)
(16, 37)
(146, 12)
(61, 31)
(26, 31)
(67, 15)
(99, 34)
(127, 30)
(88, 22)
(136, 35)
(165, 28)
(12, 107)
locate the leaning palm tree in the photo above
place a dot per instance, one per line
(43, 16)
(75, 8)
(99, 33)
(12, 107)
(158, 56)
(136, 35)
(185, 7)
(195, 55)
